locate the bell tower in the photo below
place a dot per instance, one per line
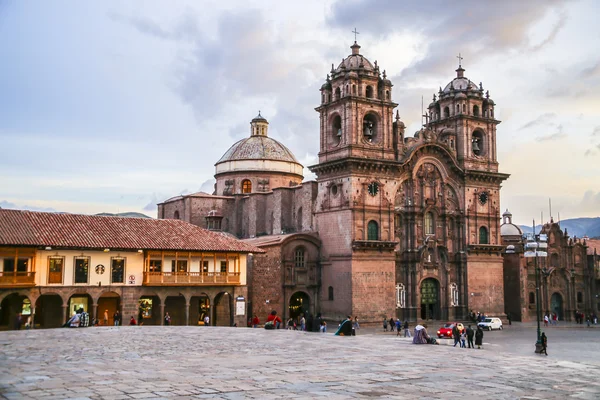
(356, 111)
(355, 175)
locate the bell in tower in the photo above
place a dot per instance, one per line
(476, 148)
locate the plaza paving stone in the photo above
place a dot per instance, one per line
(240, 363)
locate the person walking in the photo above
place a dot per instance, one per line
(479, 337)
(406, 329)
(546, 320)
(470, 334)
(456, 335)
(398, 327)
(509, 318)
(355, 325)
(303, 323)
(105, 317)
(117, 318)
(167, 319)
(463, 338)
(385, 324)
(206, 320)
(140, 320)
(544, 343)
(391, 322)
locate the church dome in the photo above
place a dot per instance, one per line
(461, 83)
(355, 61)
(258, 148)
(508, 228)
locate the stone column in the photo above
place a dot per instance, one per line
(162, 314)
(187, 314)
(65, 308)
(94, 313)
(32, 317)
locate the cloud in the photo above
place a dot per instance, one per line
(467, 26)
(185, 28)
(589, 152)
(14, 206)
(596, 131)
(541, 120)
(554, 136)
(208, 186)
(151, 206)
(591, 71)
(562, 20)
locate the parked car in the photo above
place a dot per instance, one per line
(446, 330)
(491, 323)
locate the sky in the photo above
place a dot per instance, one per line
(110, 106)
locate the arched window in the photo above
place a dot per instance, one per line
(464, 108)
(387, 94)
(579, 297)
(370, 127)
(330, 293)
(337, 129)
(429, 224)
(531, 298)
(299, 257)
(400, 296)
(176, 214)
(246, 186)
(454, 294)
(483, 235)
(323, 98)
(338, 94)
(369, 92)
(446, 112)
(354, 90)
(476, 111)
(478, 143)
(372, 231)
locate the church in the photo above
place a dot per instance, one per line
(394, 225)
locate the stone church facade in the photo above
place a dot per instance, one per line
(393, 226)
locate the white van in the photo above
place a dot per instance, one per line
(491, 323)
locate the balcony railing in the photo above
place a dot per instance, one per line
(17, 279)
(191, 278)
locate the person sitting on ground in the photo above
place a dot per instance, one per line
(132, 321)
(323, 327)
(421, 336)
(274, 320)
(345, 328)
(74, 321)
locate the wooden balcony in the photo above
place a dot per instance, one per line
(17, 279)
(191, 278)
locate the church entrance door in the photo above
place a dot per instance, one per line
(556, 304)
(429, 299)
(299, 304)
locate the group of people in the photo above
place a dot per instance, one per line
(550, 318)
(398, 325)
(462, 337)
(589, 319)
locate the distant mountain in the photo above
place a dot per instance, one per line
(125, 215)
(575, 227)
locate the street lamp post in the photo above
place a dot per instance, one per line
(536, 247)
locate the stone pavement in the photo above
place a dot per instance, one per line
(238, 363)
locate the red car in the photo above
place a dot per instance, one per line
(446, 330)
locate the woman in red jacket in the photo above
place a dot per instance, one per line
(276, 320)
(255, 321)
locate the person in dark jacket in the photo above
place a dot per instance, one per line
(392, 324)
(456, 334)
(479, 337)
(345, 328)
(470, 334)
(544, 343)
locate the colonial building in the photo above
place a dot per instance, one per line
(394, 225)
(568, 276)
(54, 264)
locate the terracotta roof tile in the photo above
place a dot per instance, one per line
(29, 228)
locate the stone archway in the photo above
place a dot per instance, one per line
(109, 303)
(430, 299)
(200, 307)
(556, 305)
(11, 305)
(49, 311)
(299, 304)
(223, 310)
(175, 306)
(149, 310)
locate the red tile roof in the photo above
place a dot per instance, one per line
(29, 228)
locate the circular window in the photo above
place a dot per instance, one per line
(483, 198)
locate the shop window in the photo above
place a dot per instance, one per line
(82, 266)
(330, 293)
(56, 267)
(372, 231)
(179, 266)
(155, 266)
(117, 270)
(22, 264)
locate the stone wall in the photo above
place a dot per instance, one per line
(486, 284)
